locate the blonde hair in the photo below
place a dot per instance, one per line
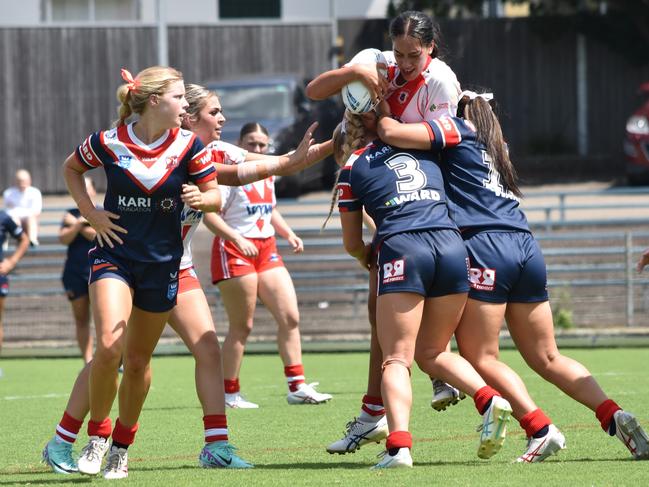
(197, 96)
(348, 137)
(133, 98)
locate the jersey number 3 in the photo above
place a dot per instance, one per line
(409, 177)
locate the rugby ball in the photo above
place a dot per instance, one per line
(356, 97)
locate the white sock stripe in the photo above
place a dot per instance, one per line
(373, 407)
(216, 432)
(294, 378)
(63, 431)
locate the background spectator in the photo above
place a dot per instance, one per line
(24, 204)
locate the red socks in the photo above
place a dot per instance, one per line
(68, 428)
(534, 421)
(124, 435)
(100, 428)
(294, 376)
(605, 412)
(232, 386)
(483, 396)
(372, 407)
(399, 439)
(216, 428)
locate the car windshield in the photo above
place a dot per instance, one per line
(256, 102)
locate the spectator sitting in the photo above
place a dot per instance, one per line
(24, 203)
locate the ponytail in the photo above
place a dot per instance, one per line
(478, 111)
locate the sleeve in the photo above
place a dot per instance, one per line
(224, 153)
(200, 167)
(226, 194)
(443, 99)
(444, 133)
(346, 199)
(87, 152)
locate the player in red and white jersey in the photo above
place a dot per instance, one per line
(246, 264)
(417, 84)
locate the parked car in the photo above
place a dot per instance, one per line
(279, 104)
(636, 142)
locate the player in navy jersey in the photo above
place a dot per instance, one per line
(134, 267)
(8, 227)
(79, 236)
(422, 285)
(508, 275)
(191, 317)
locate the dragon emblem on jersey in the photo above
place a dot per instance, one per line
(125, 161)
(402, 96)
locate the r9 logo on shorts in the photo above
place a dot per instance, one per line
(482, 279)
(394, 271)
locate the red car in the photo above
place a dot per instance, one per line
(636, 142)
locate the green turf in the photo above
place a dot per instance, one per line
(287, 443)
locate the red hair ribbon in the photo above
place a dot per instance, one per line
(131, 83)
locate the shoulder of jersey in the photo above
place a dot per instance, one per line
(439, 70)
(186, 133)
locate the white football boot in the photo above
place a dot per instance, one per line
(401, 459)
(494, 427)
(92, 455)
(445, 395)
(631, 434)
(306, 394)
(237, 401)
(538, 449)
(359, 433)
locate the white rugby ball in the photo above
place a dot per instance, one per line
(356, 97)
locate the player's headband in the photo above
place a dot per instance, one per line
(131, 83)
(472, 95)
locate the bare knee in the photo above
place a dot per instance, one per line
(543, 361)
(136, 364)
(207, 350)
(241, 332)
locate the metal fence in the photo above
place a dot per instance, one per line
(590, 263)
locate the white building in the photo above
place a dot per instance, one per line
(56, 12)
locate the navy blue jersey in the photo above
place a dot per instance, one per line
(76, 260)
(402, 190)
(478, 199)
(144, 187)
(7, 227)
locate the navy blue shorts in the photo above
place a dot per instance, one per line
(4, 285)
(506, 267)
(431, 263)
(75, 284)
(154, 284)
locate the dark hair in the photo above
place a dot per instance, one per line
(479, 112)
(418, 25)
(252, 127)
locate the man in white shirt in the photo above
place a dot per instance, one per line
(24, 203)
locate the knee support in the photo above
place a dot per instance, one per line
(397, 361)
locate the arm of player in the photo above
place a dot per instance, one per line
(404, 135)
(352, 226)
(219, 227)
(331, 82)
(204, 196)
(284, 230)
(644, 260)
(101, 220)
(260, 166)
(70, 228)
(8, 264)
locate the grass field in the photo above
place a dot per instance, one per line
(287, 443)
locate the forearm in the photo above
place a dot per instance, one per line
(217, 225)
(68, 233)
(21, 248)
(404, 135)
(330, 83)
(279, 224)
(73, 176)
